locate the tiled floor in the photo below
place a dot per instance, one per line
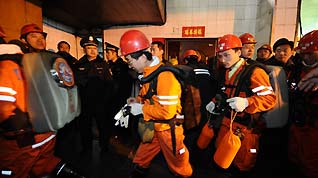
(116, 164)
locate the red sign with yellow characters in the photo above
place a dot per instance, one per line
(195, 31)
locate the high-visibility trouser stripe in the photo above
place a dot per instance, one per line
(6, 172)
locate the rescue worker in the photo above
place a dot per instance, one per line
(160, 109)
(248, 42)
(33, 37)
(303, 133)
(264, 53)
(122, 85)
(207, 86)
(23, 152)
(95, 87)
(246, 102)
(207, 83)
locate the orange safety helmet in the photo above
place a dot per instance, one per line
(247, 38)
(2, 34)
(190, 52)
(132, 41)
(308, 43)
(31, 28)
(227, 42)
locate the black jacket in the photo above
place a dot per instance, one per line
(94, 81)
(122, 82)
(207, 85)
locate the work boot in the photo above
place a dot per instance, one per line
(62, 170)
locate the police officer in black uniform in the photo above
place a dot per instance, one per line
(122, 85)
(95, 84)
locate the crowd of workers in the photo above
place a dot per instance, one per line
(233, 99)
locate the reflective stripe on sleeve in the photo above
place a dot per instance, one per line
(167, 97)
(7, 98)
(8, 90)
(168, 102)
(264, 93)
(254, 90)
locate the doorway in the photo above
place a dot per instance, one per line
(175, 47)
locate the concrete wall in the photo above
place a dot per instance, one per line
(267, 20)
(55, 36)
(284, 20)
(264, 21)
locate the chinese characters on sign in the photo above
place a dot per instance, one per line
(197, 31)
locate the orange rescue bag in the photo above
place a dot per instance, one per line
(228, 148)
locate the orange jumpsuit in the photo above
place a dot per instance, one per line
(166, 104)
(262, 99)
(36, 159)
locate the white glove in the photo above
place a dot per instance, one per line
(121, 119)
(238, 103)
(136, 108)
(210, 107)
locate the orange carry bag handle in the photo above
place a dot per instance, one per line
(228, 148)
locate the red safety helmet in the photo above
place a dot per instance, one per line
(189, 53)
(227, 42)
(132, 41)
(247, 38)
(2, 34)
(308, 43)
(31, 28)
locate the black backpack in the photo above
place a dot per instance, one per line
(277, 117)
(242, 82)
(190, 97)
